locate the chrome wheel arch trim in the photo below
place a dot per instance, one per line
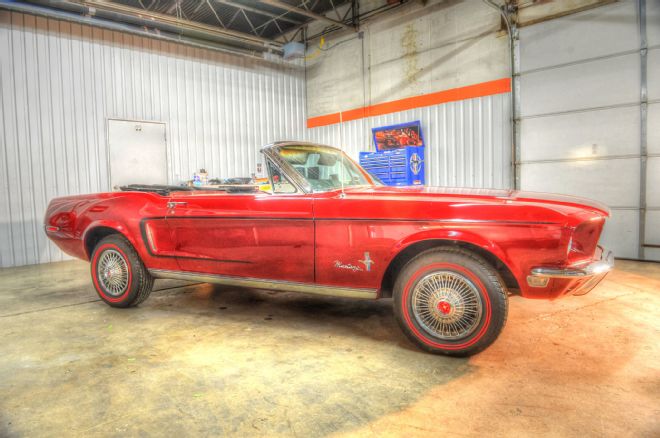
(278, 285)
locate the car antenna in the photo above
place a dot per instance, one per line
(341, 147)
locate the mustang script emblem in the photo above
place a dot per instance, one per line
(348, 266)
(367, 262)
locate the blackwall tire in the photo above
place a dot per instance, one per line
(119, 276)
(450, 301)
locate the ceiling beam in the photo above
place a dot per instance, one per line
(306, 13)
(169, 20)
(258, 11)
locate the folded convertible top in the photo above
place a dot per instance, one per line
(165, 190)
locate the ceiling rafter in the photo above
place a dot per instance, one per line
(233, 17)
(198, 7)
(177, 21)
(215, 14)
(276, 25)
(298, 28)
(264, 25)
(258, 11)
(275, 21)
(296, 10)
(334, 8)
(249, 22)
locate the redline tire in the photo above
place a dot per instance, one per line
(119, 276)
(450, 301)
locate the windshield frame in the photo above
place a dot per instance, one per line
(272, 152)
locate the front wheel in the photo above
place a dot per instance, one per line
(119, 276)
(450, 301)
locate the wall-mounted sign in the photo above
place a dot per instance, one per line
(398, 136)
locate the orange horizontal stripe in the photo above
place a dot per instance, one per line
(469, 92)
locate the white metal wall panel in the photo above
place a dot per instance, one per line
(653, 22)
(60, 82)
(468, 143)
(653, 180)
(653, 133)
(587, 134)
(580, 105)
(654, 73)
(621, 233)
(653, 228)
(594, 33)
(604, 82)
(588, 178)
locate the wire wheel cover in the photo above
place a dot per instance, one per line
(447, 305)
(112, 272)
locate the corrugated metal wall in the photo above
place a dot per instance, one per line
(60, 82)
(468, 143)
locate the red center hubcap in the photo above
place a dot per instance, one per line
(444, 307)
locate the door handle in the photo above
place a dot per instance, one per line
(173, 204)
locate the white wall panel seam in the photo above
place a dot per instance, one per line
(20, 191)
(572, 160)
(578, 62)
(582, 110)
(29, 136)
(7, 251)
(46, 252)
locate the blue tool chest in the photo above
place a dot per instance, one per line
(396, 167)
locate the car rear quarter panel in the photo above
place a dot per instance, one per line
(120, 211)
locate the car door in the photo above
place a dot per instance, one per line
(251, 235)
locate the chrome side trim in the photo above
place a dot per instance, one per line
(285, 286)
(599, 267)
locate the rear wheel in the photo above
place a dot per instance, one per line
(450, 301)
(119, 276)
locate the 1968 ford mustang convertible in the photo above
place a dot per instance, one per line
(449, 258)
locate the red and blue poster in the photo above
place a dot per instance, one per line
(398, 136)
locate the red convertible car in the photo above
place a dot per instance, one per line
(448, 257)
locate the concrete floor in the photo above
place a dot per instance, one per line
(206, 360)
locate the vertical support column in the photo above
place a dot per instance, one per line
(355, 13)
(509, 12)
(515, 104)
(643, 108)
(303, 35)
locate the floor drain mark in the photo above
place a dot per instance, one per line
(48, 308)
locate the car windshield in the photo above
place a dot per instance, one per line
(325, 168)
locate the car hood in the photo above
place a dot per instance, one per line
(481, 194)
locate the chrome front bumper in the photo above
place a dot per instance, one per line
(597, 267)
(573, 280)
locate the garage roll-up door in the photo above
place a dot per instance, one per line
(582, 114)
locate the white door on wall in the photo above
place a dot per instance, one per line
(138, 152)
